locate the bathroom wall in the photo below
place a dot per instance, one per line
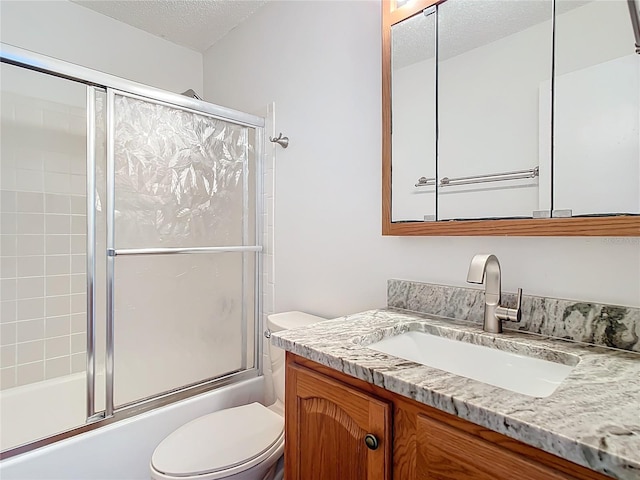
(67, 31)
(320, 63)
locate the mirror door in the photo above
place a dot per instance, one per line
(494, 59)
(413, 74)
(471, 91)
(597, 109)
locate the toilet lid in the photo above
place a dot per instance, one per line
(218, 441)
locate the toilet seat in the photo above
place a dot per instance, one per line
(220, 444)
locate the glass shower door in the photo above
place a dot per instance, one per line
(183, 248)
(129, 258)
(43, 254)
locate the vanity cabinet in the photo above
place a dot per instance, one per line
(329, 414)
(334, 431)
(444, 452)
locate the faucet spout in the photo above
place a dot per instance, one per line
(486, 265)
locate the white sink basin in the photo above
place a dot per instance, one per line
(526, 375)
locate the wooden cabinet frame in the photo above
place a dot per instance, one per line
(412, 423)
(617, 226)
(331, 404)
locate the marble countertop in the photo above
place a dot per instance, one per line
(592, 419)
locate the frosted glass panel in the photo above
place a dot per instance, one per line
(179, 320)
(180, 177)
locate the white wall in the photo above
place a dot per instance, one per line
(67, 31)
(320, 63)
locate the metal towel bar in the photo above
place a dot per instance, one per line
(490, 177)
(113, 252)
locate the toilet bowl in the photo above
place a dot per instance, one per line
(240, 443)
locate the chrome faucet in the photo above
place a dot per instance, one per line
(487, 265)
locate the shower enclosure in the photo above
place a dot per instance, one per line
(130, 248)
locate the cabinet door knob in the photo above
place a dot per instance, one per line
(371, 441)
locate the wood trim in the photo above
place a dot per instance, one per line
(405, 408)
(622, 226)
(386, 117)
(610, 226)
(291, 421)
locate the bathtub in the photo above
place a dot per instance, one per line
(121, 450)
(38, 410)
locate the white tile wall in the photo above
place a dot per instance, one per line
(42, 233)
(268, 222)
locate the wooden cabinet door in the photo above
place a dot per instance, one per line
(446, 453)
(326, 423)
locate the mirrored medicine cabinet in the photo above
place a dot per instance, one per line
(511, 117)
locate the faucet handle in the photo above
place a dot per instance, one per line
(511, 314)
(519, 305)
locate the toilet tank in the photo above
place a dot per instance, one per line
(275, 323)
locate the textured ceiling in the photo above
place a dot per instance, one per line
(468, 24)
(196, 24)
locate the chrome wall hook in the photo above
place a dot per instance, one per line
(280, 140)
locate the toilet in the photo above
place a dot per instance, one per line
(240, 443)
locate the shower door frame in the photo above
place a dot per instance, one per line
(112, 85)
